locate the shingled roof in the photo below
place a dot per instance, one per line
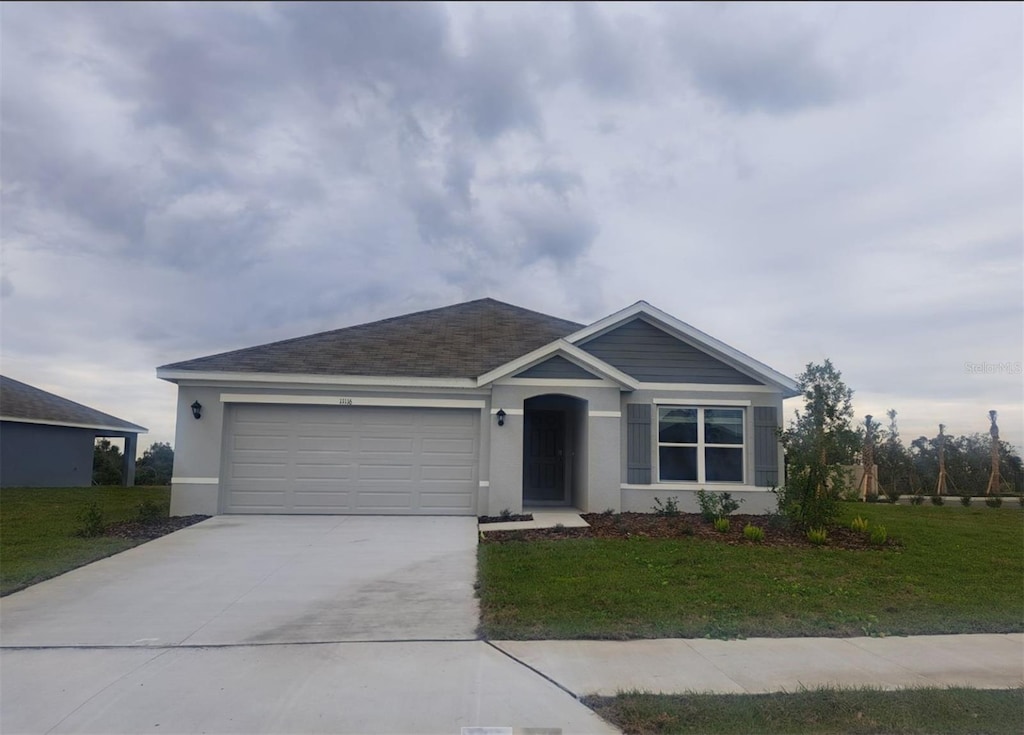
(461, 341)
(22, 402)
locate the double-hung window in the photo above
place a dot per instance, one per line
(700, 444)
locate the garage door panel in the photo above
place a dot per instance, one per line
(269, 498)
(260, 443)
(448, 446)
(345, 459)
(342, 459)
(259, 471)
(324, 443)
(260, 428)
(445, 473)
(381, 501)
(385, 444)
(389, 473)
(333, 472)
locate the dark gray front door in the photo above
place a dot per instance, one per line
(544, 457)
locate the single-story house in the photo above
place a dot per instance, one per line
(47, 441)
(476, 408)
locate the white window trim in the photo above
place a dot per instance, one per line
(700, 445)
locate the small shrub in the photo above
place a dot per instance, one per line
(817, 536)
(879, 535)
(669, 508)
(916, 499)
(892, 495)
(994, 502)
(721, 525)
(871, 498)
(608, 512)
(859, 524)
(505, 515)
(149, 513)
(937, 500)
(559, 526)
(965, 500)
(716, 505)
(90, 522)
(727, 505)
(708, 506)
(753, 533)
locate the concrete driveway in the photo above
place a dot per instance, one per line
(271, 624)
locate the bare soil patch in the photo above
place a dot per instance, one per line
(149, 531)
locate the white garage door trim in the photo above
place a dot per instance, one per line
(344, 459)
(307, 400)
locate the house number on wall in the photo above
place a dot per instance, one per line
(345, 401)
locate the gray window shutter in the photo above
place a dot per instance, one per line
(766, 447)
(638, 443)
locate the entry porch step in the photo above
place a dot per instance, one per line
(542, 518)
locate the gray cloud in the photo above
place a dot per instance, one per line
(752, 59)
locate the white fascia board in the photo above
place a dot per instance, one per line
(559, 382)
(699, 402)
(570, 352)
(693, 335)
(710, 387)
(73, 425)
(306, 400)
(368, 381)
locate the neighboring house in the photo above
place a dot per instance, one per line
(47, 441)
(476, 408)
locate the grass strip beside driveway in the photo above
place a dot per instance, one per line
(38, 526)
(821, 711)
(959, 571)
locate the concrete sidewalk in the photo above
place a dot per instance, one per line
(757, 665)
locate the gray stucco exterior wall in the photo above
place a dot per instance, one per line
(37, 455)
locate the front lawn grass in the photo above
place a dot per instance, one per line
(852, 711)
(38, 525)
(959, 571)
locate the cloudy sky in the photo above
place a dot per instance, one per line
(802, 181)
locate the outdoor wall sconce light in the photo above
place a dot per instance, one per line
(501, 416)
(197, 409)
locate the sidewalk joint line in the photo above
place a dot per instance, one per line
(535, 670)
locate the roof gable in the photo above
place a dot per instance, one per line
(652, 355)
(460, 341)
(557, 367)
(753, 370)
(24, 403)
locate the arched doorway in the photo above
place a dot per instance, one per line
(554, 449)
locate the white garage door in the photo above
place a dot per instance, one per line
(351, 459)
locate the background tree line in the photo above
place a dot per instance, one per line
(822, 439)
(152, 468)
(915, 469)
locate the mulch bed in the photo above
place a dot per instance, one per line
(505, 519)
(149, 531)
(648, 525)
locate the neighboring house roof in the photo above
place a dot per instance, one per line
(460, 341)
(24, 403)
